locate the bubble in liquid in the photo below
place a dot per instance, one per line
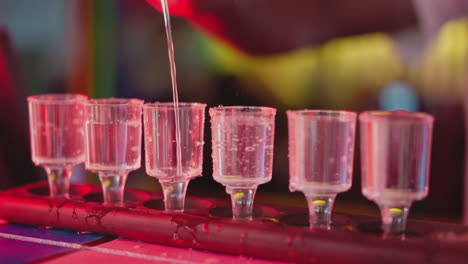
(249, 149)
(135, 148)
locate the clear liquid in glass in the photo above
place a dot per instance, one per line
(161, 145)
(242, 150)
(114, 148)
(395, 159)
(57, 134)
(321, 152)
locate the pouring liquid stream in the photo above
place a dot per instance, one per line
(175, 96)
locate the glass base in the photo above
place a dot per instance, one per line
(242, 202)
(113, 189)
(320, 210)
(174, 195)
(59, 181)
(394, 220)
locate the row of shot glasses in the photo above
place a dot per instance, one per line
(105, 134)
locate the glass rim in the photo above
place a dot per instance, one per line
(321, 113)
(396, 114)
(181, 105)
(57, 98)
(114, 102)
(243, 109)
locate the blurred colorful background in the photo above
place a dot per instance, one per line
(106, 48)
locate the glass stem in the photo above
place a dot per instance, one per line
(59, 181)
(174, 195)
(394, 219)
(242, 202)
(113, 189)
(320, 210)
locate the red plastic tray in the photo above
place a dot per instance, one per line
(275, 233)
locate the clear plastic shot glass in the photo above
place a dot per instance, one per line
(56, 123)
(321, 153)
(113, 143)
(395, 149)
(242, 142)
(174, 159)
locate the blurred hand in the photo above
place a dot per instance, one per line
(262, 27)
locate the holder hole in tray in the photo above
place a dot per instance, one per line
(375, 228)
(302, 220)
(259, 212)
(191, 204)
(75, 190)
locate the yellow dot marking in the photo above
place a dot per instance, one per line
(238, 195)
(319, 202)
(52, 176)
(396, 211)
(271, 219)
(107, 183)
(381, 113)
(169, 189)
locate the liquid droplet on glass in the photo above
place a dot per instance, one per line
(242, 239)
(205, 228)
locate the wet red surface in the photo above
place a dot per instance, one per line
(275, 233)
